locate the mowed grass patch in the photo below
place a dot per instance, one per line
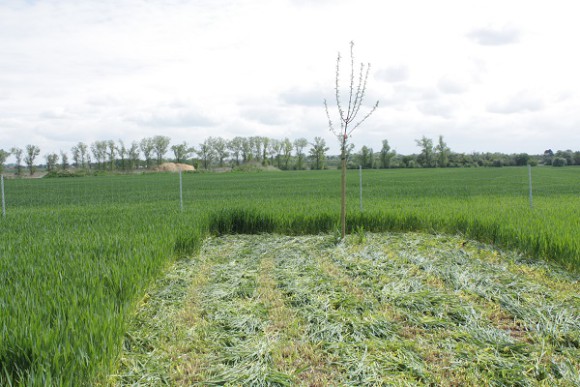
(376, 309)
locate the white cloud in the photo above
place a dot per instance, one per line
(393, 74)
(495, 36)
(272, 116)
(303, 97)
(103, 100)
(413, 94)
(435, 109)
(127, 69)
(452, 85)
(517, 103)
(55, 114)
(172, 115)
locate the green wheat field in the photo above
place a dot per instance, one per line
(447, 277)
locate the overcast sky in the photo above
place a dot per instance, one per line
(490, 76)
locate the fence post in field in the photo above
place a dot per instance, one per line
(360, 184)
(3, 201)
(180, 191)
(530, 179)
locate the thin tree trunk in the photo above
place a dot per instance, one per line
(343, 196)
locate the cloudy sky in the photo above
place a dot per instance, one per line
(497, 76)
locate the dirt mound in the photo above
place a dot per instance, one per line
(174, 167)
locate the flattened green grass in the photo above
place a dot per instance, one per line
(377, 309)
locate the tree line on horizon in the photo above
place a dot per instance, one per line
(284, 154)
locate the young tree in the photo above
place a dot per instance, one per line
(386, 155)
(89, 162)
(80, 155)
(275, 152)
(133, 153)
(299, 145)
(32, 151)
(235, 148)
(76, 156)
(3, 156)
(206, 153)
(318, 152)
(111, 153)
(442, 151)
(287, 147)
(123, 153)
(219, 146)
(366, 157)
(147, 147)
(51, 162)
(160, 145)
(247, 146)
(85, 155)
(99, 150)
(347, 119)
(426, 156)
(256, 143)
(181, 152)
(63, 160)
(265, 147)
(17, 152)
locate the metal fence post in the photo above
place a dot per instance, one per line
(360, 184)
(530, 178)
(3, 201)
(180, 191)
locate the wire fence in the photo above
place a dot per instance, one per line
(181, 190)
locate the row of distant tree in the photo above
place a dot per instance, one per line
(440, 155)
(285, 154)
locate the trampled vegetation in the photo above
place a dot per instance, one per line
(77, 255)
(379, 309)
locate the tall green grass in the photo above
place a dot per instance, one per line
(76, 254)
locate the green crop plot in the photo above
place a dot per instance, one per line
(77, 255)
